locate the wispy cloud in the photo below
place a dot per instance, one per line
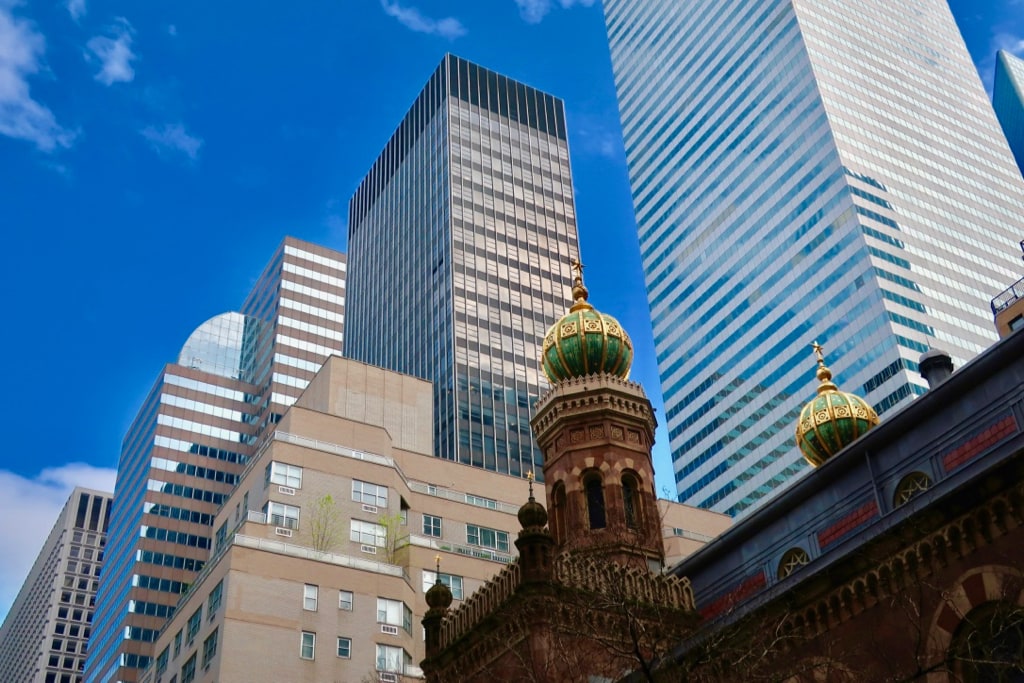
(35, 503)
(21, 116)
(533, 11)
(114, 54)
(76, 8)
(172, 137)
(410, 17)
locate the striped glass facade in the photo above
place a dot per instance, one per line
(1008, 101)
(458, 239)
(801, 170)
(190, 442)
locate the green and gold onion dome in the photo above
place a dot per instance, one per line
(584, 342)
(833, 420)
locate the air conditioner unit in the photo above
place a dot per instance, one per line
(372, 549)
(283, 532)
(286, 490)
(370, 508)
(389, 629)
(388, 677)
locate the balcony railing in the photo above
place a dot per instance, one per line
(1010, 296)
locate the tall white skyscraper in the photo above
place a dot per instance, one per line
(801, 170)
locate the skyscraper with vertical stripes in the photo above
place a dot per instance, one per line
(45, 636)
(804, 170)
(202, 421)
(460, 238)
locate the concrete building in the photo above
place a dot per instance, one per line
(457, 236)
(1008, 101)
(326, 548)
(202, 421)
(802, 169)
(45, 636)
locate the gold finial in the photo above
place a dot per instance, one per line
(579, 290)
(824, 374)
(529, 478)
(437, 567)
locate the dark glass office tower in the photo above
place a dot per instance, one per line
(460, 238)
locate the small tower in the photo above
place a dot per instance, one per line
(833, 419)
(596, 430)
(439, 599)
(535, 545)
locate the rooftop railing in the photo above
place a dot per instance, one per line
(1008, 297)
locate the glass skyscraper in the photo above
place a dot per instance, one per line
(459, 239)
(202, 421)
(804, 170)
(1008, 101)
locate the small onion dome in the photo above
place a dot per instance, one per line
(439, 595)
(833, 420)
(585, 341)
(533, 514)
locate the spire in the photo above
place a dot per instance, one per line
(824, 374)
(580, 294)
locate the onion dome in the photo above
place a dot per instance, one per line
(584, 342)
(833, 420)
(438, 595)
(532, 514)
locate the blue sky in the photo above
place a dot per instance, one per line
(152, 155)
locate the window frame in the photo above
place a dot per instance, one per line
(368, 493)
(287, 522)
(454, 582)
(284, 474)
(500, 545)
(430, 531)
(312, 645)
(379, 533)
(351, 600)
(402, 616)
(310, 596)
(348, 647)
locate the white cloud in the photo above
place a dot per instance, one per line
(410, 17)
(1008, 42)
(532, 11)
(114, 54)
(21, 116)
(76, 8)
(173, 137)
(33, 505)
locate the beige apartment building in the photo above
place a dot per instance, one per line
(325, 549)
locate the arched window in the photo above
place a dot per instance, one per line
(792, 560)
(910, 486)
(989, 644)
(595, 500)
(631, 500)
(558, 511)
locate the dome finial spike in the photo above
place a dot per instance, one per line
(579, 290)
(529, 478)
(437, 567)
(824, 374)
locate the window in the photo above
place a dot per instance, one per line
(631, 500)
(595, 500)
(480, 501)
(310, 593)
(280, 514)
(285, 475)
(395, 613)
(222, 537)
(177, 644)
(487, 538)
(161, 661)
(558, 511)
(391, 658)
(307, 646)
(453, 582)
(370, 494)
(345, 600)
(368, 533)
(214, 600)
(432, 526)
(188, 670)
(209, 648)
(344, 647)
(910, 486)
(194, 622)
(793, 559)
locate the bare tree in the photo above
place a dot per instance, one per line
(325, 524)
